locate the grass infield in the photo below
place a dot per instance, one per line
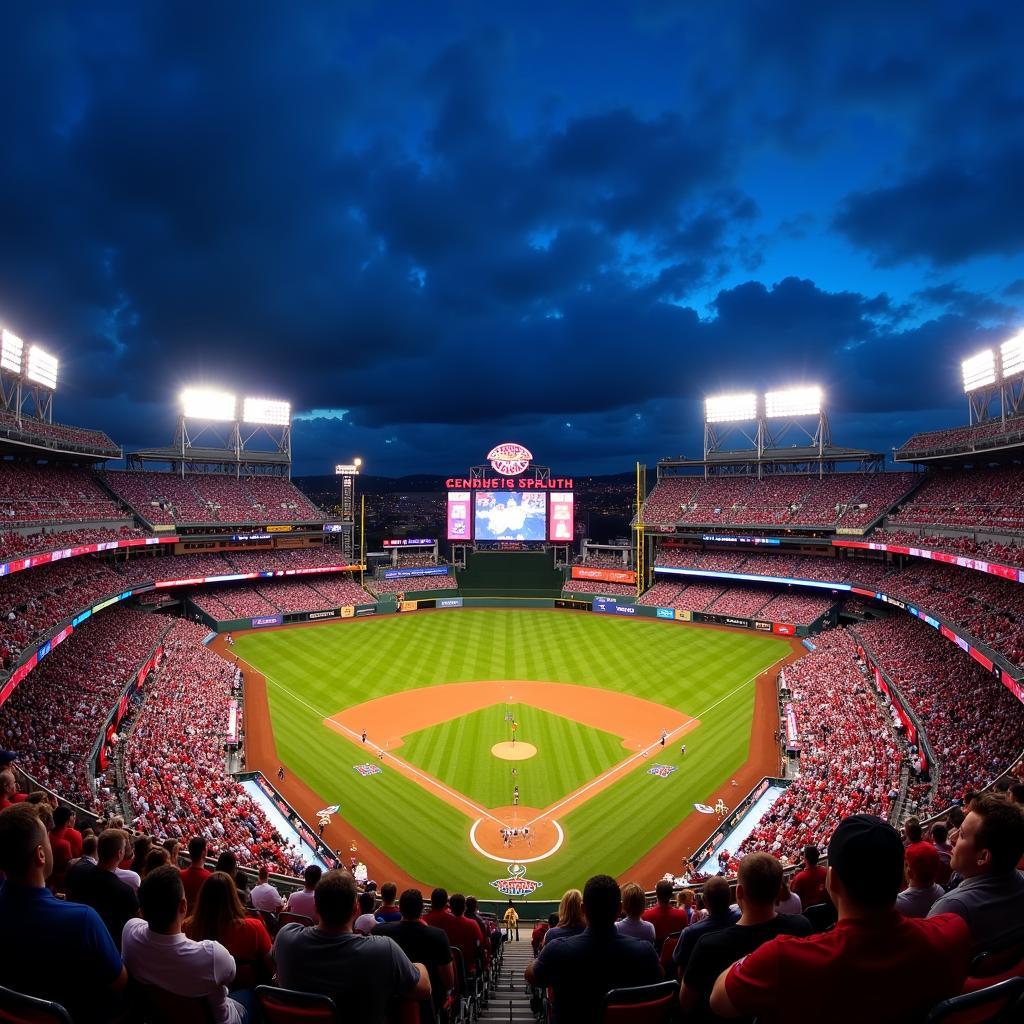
(313, 673)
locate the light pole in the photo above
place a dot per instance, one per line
(348, 471)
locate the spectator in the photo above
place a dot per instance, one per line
(540, 929)
(9, 789)
(156, 858)
(388, 911)
(571, 919)
(465, 933)
(874, 964)
(304, 902)
(126, 875)
(809, 883)
(988, 848)
(366, 921)
(156, 952)
(361, 973)
(228, 863)
(632, 924)
(787, 902)
(757, 889)
(665, 917)
(50, 948)
(511, 922)
(219, 915)
(923, 866)
(422, 944)
(488, 926)
(581, 969)
(80, 868)
(195, 874)
(720, 915)
(438, 908)
(115, 901)
(64, 828)
(265, 896)
(940, 833)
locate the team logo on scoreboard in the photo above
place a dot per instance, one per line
(517, 884)
(509, 459)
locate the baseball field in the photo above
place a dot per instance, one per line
(480, 722)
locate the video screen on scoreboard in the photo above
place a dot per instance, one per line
(459, 522)
(510, 515)
(560, 526)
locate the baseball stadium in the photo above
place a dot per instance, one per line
(193, 650)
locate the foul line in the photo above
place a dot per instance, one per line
(455, 795)
(547, 812)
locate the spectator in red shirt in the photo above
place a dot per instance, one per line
(9, 789)
(665, 917)
(64, 828)
(219, 915)
(464, 933)
(195, 874)
(809, 884)
(438, 909)
(874, 965)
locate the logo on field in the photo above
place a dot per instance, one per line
(368, 769)
(517, 884)
(704, 809)
(663, 771)
(509, 459)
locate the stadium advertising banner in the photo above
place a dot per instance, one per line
(584, 572)
(415, 570)
(515, 516)
(561, 519)
(1007, 572)
(407, 542)
(665, 613)
(449, 602)
(45, 557)
(459, 523)
(266, 620)
(611, 606)
(819, 584)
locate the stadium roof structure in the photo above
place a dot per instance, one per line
(772, 461)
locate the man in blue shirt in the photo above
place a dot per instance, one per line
(582, 969)
(48, 948)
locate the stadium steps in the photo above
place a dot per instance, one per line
(510, 1004)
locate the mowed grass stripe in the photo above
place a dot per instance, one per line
(339, 665)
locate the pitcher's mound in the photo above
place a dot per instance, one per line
(513, 751)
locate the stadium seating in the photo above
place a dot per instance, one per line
(980, 435)
(31, 494)
(974, 723)
(19, 545)
(976, 499)
(599, 587)
(412, 584)
(988, 550)
(174, 767)
(55, 714)
(57, 434)
(837, 499)
(202, 498)
(850, 758)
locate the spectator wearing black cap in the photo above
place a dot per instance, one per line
(988, 848)
(873, 965)
(583, 968)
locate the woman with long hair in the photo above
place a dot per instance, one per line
(219, 915)
(571, 919)
(634, 903)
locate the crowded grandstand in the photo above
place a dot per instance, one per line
(123, 728)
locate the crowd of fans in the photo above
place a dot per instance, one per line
(174, 762)
(837, 499)
(32, 494)
(162, 498)
(850, 759)
(965, 438)
(954, 544)
(974, 724)
(744, 602)
(18, 545)
(599, 587)
(79, 438)
(55, 714)
(412, 584)
(983, 498)
(820, 568)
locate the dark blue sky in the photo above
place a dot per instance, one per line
(436, 227)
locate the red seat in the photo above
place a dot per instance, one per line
(163, 1007)
(668, 947)
(16, 1008)
(643, 1004)
(286, 1006)
(1002, 1002)
(287, 917)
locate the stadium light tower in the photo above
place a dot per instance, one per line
(723, 415)
(26, 375)
(983, 387)
(788, 410)
(348, 471)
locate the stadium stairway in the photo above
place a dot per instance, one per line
(510, 1004)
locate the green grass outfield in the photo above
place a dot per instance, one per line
(569, 755)
(312, 673)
